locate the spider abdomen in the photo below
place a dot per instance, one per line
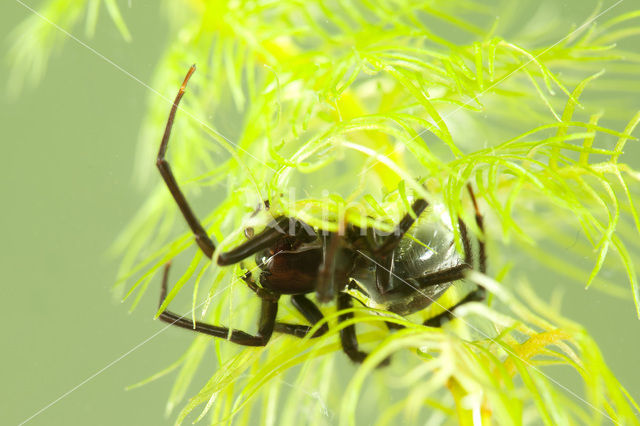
(430, 251)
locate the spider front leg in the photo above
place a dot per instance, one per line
(305, 306)
(325, 288)
(203, 240)
(266, 322)
(255, 244)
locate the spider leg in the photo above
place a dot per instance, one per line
(479, 294)
(466, 243)
(257, 243)
(280, 227)
(348, 336)
(482, 255)
(391, 241)
(203, 240)
(266, 323)
(310, 311)
(325, 287)
(259, 291)
(442, 276)
(306, 307)
(384, 252)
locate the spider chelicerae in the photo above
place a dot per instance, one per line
(393, 271)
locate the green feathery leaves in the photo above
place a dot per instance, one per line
(352, 108)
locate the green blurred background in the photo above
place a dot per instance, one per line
(66, 183)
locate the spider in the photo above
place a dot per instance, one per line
(392, 271)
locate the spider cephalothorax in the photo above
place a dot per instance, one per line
(392, 271)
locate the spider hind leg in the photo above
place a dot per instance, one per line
(266, 322)
(479, 294)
